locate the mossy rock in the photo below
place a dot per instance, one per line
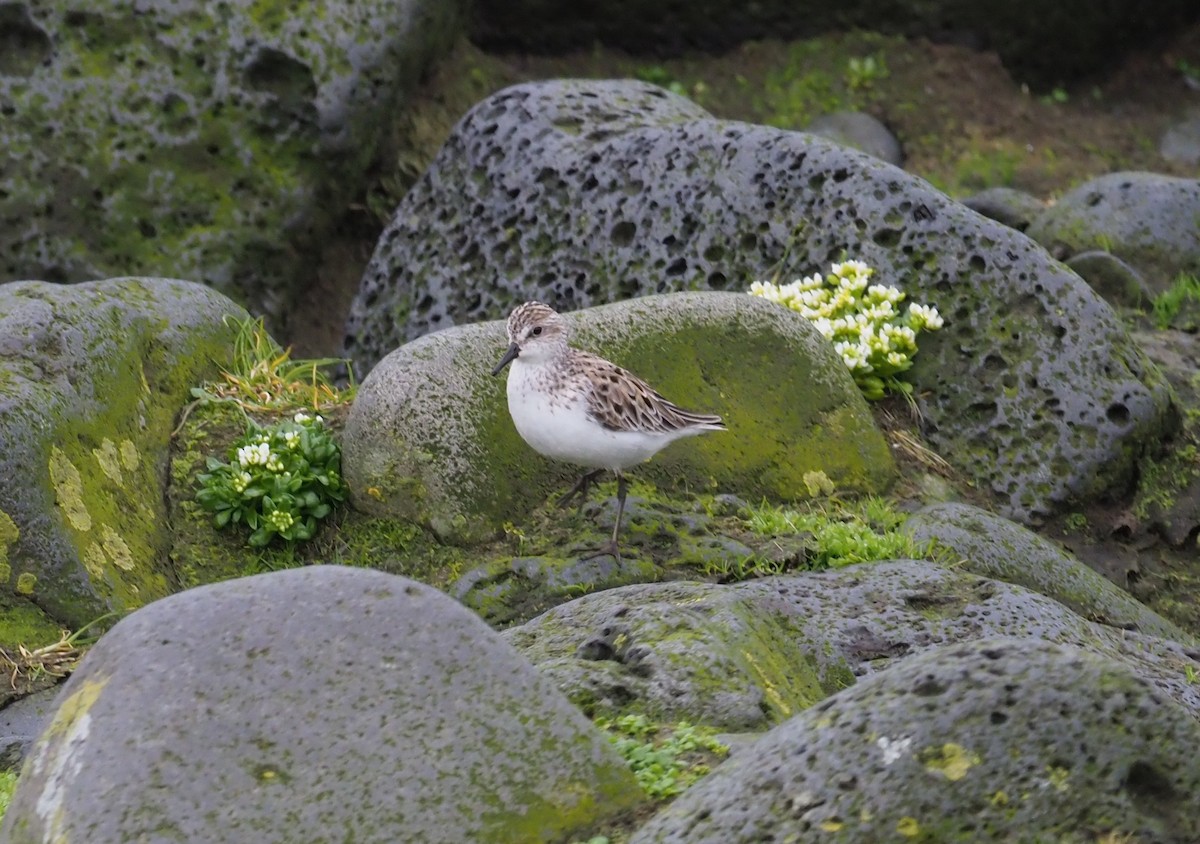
(429, 438)
(319, 704)
(92, 377)
(222, 146)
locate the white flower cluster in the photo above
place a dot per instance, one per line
(862, 320)
(259, 454)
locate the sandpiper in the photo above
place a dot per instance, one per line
(573, 406)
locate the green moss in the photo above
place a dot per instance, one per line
(8, 784)
(9, 533)
(24, 623)
(26, 583)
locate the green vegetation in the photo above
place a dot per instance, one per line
(861, 319)
(842, 533)
(1181, 297)
(263, 376)
(863, 73)
(8, 784)
(665, 760)
(280, 482)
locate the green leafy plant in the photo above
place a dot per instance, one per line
(842, 534)
(665, 760)
(1183, 293)
(279, 481)
(862, 73)
(862, 321)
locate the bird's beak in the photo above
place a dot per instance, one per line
(509, 356)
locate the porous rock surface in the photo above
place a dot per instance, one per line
(995, 547)
(317, 704)
(215, 142)
(995, 740)
(585, 192)
(1146, 219)
(750, 654)
(92, 377)
(429, 437)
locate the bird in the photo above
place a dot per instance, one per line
(576, 407)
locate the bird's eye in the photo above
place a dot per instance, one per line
(537, 331)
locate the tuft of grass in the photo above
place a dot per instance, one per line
(263, 377)
(1184, 291)
(665, 759)
(842, 533)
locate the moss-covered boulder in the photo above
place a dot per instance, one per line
(995, 547)
(998, 740)
(595, 191)
(746, 655)
(429, 438)
(178, 137)
(92, 377)
(319, 704)
(1150, 221)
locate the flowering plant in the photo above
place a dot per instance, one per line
(279, 481)
(862, 320)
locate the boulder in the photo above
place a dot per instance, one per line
(993, 741)
(317, 704)
(93, 377)
(584, 192)
(220, 146)
(429, 438)
(1146, 219)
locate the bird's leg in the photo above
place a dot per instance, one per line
(580, 489)
(611, 547)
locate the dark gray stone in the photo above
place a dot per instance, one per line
(215, 143)
(998, 740)
(321, 704)
(1112, 278)
(1014, 208)
(1180, 143)
(579, 192)
(92, 377)
(745, 655)
(997, 548)
(861, 131)
(1146, 219)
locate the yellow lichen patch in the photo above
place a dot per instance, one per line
(26, 583)
(818, 483)
(769, 689)
(110, 461)
(908, 827)
(116, 549)
(5, 571)
(832, 826)
(129, 455)
(68, 490)
(54, 762)
(93, 559)
(9, 533)
(951, 761)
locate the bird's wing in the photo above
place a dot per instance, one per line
(620, 401)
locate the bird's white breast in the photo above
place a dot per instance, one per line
(550, 414)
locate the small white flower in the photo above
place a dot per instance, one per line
(893, 749)
(255, 454)
(240, 481)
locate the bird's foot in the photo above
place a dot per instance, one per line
(580, 490)
(608, 549)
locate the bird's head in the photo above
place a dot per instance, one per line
(536, 333)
